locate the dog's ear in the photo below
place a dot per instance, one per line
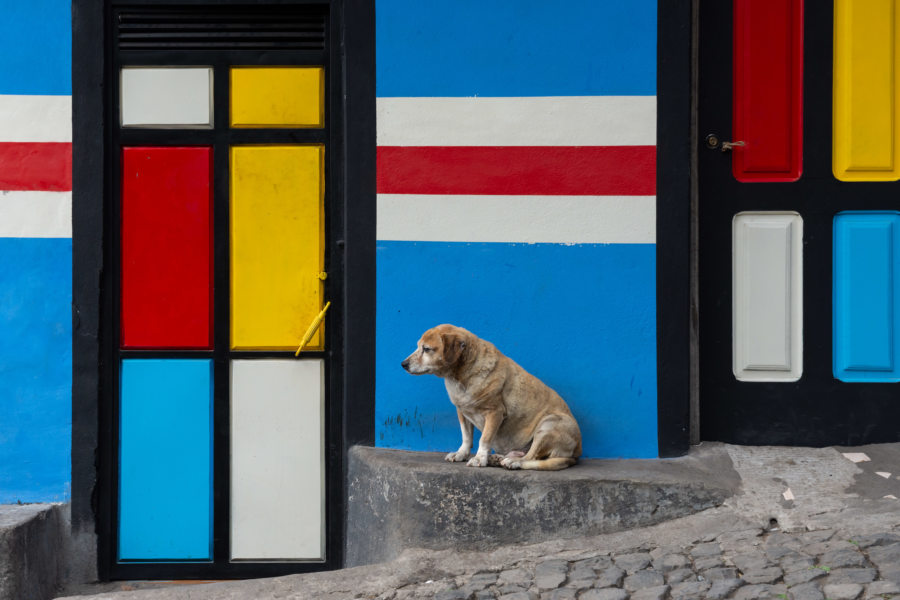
(454, 345)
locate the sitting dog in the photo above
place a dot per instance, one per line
(519, 417)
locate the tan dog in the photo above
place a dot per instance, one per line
(517, 414)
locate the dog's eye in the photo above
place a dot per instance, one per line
(426, 349)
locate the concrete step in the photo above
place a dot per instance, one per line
(400, 499)
(31, 537)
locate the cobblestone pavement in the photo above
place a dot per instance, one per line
(744, 565)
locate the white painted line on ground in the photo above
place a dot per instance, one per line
(856, 457)
(35, 118)
(517, 219)
(36, 214)
(535, 121)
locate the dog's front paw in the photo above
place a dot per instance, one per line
(511, 463)
(479, 460)
(456, 456)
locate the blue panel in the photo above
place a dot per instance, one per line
(165, 480)
(515, 48)
(35, 369)
(866, 259)
(36, 47)
(582, 318)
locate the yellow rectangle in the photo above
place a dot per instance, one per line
(277, 97)
(277, 245)
(865, 91)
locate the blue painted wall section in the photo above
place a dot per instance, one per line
(580, 317)
(36, 47)
(35, 369)
(165, 476)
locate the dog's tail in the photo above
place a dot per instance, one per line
(548, 464)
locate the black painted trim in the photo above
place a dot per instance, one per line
(673, 185)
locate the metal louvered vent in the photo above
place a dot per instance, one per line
(221, 27)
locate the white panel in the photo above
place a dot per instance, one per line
(517, 219)
(536, 121)
(768, 296)
(35, 118)
(166, 97)
(277, 460)
(36, 214)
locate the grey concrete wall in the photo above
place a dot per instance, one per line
(399, 500)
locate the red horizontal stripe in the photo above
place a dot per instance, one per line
(44, 166)
(518, 170)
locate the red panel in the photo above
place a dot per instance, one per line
(166, 248)
(518, 170)
(36, 166)
(768, 90)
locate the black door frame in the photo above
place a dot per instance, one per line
(817, 410)
(350, 412)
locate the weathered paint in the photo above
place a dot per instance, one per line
(277, 459)
(581, 318)
(277, 245)
(866, 134)
(167, 264)
(36, 166)
(165, 459)
(277, 97)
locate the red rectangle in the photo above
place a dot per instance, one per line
(518, 170)
(36, 166)
(166, 248)
(768, 90)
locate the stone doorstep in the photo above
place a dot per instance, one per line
(30, 560)
(400, 499)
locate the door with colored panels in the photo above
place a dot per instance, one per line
(220, 222)
(799, 218)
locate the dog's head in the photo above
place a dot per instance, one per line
(438, 351)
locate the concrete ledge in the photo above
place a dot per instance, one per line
(399, 499)
(31, 542)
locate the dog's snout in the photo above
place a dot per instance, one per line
(405, 364)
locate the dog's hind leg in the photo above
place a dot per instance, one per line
(551, 449)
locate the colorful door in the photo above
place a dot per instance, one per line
(221, 221)
(799, 207)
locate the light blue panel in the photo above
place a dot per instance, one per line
(35, 369)
(866, 259)
(582, 318)
(36, 47)
(165, 461)
(515, 48)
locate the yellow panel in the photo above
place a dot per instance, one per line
(277, 97)
(865, 106)
(277, 245)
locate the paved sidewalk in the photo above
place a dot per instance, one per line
(806, 524)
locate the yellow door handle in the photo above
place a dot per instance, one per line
(312, 329)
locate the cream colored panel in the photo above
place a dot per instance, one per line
(767, 300)
(277, 460)
(167, 97)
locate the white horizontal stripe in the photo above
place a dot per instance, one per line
(36, 214)
(545, 121)
(35, 118)
(522, 219)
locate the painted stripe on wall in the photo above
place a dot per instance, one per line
(35, 214)
(36, 47)
(35, 369)
(580, 317)
(527, 170)
(527, 219)
(521, 48)
(35, 118)
(546, 121)
(44, 166)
